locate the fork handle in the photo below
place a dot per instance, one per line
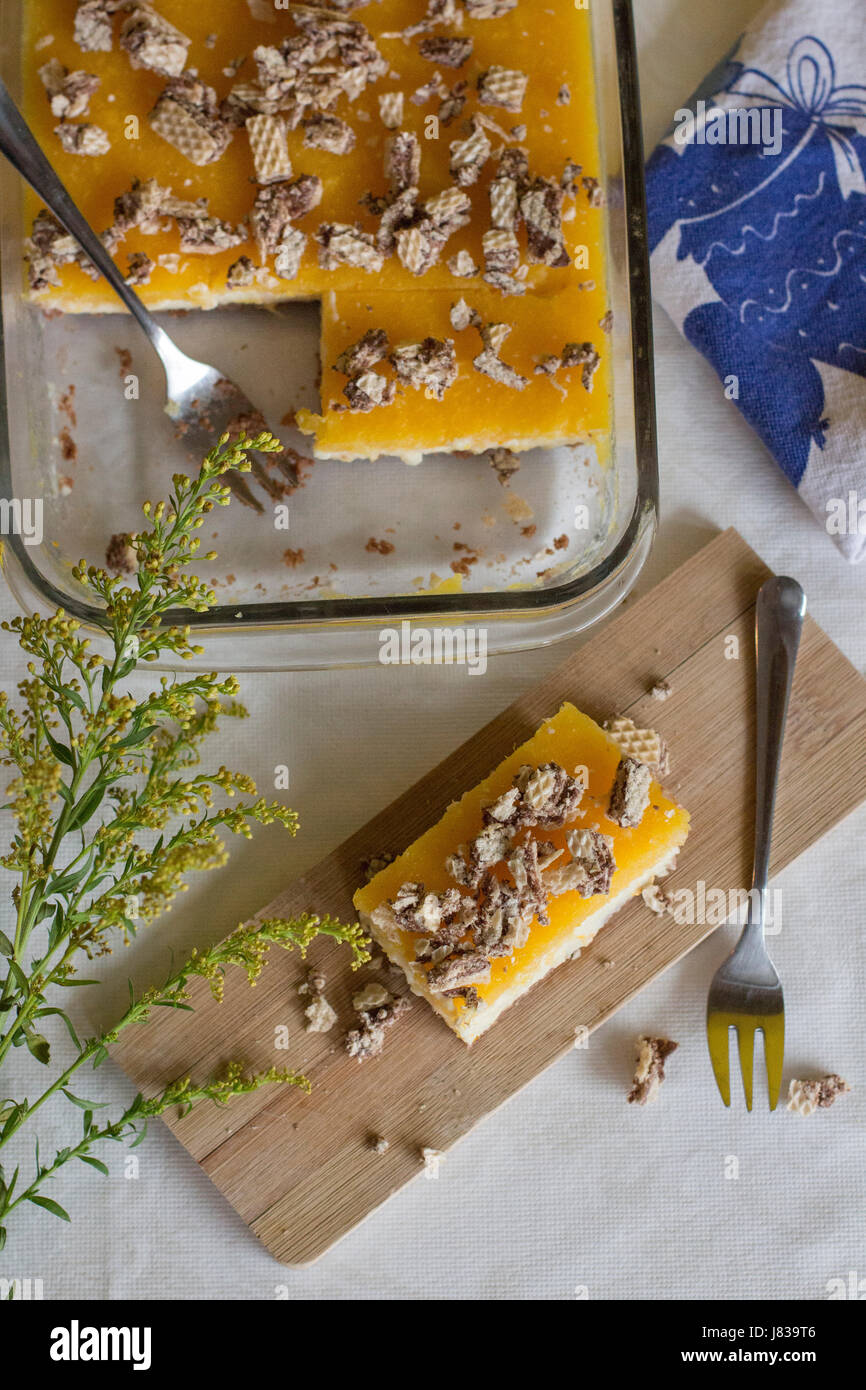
(20, 147)
(779, 614)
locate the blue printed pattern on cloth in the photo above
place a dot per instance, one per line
(761, 259)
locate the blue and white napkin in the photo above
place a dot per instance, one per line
(757, 216)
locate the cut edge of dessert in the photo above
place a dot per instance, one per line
(522, 872)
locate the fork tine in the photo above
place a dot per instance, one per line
(240, 488)
(774, 1054)
(746, 1049)
(718, 1040)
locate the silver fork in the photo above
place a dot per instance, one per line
(746, 993)
(200, 399)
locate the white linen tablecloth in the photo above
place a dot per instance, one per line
(567, 1191)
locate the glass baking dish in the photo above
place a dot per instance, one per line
(369, 545)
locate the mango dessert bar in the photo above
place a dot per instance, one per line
(427, 170)
(523, 871)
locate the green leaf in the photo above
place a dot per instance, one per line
(6, 947)
(2, 1236)
(38, 1046)
(18, 975)
(84, 1104)
(136, 737)
(46, 1013)
(45, 911)
(57, 929)
(62, 754)
(11, 1120)
(74, 984)
(135, 1143)
(87, 805)
(66, 882)
(94, 1163)
(54, 1207)
(99, 1057)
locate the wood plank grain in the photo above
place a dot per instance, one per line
(299, 1168)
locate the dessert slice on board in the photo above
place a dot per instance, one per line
(563, 833)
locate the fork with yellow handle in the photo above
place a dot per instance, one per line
(746, 992)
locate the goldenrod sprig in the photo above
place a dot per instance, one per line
(111, 816)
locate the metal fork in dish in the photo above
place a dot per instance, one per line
(201, 400)
(746, 993)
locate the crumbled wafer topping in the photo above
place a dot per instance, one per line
(47, 248)
(323, 132)
(431, 1158)
(656, 899)
(368, 390)
(419, 246)
(541, 209)
(436, 86)
(504, 464)
(430, 364)
(371, 996)
(68, 92)
(270, 148)
(469, 156)
(187, 115)
(643, 744)
(368, 1039)
(363, 354)
(340, 244)
(82, 139)
(461, 316)
(582, 355)
(240, 273)
(93, 26)
(466, 968)
(391, 109)
(570, 176)
(452, 103)
(449, 210)
(139, 268)
(591, 868)
(489, 363)
(153, 43)
(462, 265)
(805, 1097)
(505, 87)
(650, 1071)
(631, 792)
(489, 9)
(290, 250)
(402, 161)
(203, 235)
(450, 52)
(319, 1014)
(279, 205)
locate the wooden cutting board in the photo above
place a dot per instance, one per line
(299, 1169)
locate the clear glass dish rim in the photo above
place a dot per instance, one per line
(322, 614)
